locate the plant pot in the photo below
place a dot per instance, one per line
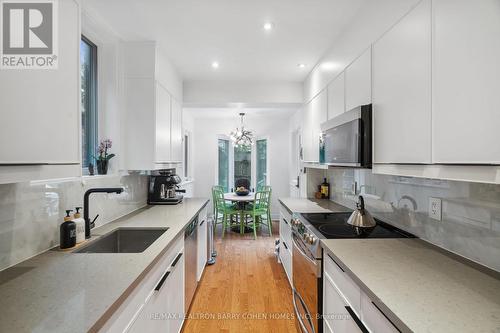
(102, 167)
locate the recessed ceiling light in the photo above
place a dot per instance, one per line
(301, 65)
(268, 26)
(215, 65)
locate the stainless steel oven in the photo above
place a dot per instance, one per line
(307, 287)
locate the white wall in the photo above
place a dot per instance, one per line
(206, 153)
(369, 24)
(205, 93)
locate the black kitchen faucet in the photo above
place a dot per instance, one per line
(89, 225)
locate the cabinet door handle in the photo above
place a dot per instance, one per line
(176, 259)
(162, 281)
(284, 244)
(336, 263)
(202, 223)
(383, 314)
(286, 222)
(356, 319)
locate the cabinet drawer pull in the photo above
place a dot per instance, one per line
(336, 263)
(162, 281)
(383, 314)
(202, 223)
(284, 244)
(286, 222)
(176, 259)
(356, 320)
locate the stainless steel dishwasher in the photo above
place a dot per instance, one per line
(191, 253)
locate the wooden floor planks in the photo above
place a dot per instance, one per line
(245, 291)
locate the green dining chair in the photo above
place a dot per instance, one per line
(215, 212)
(226, 209)
(260, 212)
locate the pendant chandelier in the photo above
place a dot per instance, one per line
(242, 137)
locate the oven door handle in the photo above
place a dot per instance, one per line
(302, 325)
(297, 246)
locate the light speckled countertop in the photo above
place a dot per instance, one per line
(69, 292)
(425, 288)
(301, 205)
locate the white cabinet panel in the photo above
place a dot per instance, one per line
(402, 90)
(286, 258)
(176, 131)
(145, 303)
(466, 81)
(140, 123)
(358, 81)
(202, 243)
(344, 283)
(40, 110)
(335, 310)
(373, 318)
(306, 135)
(162, 124)
(336, 96)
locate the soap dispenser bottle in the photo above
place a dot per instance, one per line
(80, 226)
(67, 232)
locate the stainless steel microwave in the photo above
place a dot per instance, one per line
(348, 138)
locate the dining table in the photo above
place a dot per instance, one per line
(242, 201)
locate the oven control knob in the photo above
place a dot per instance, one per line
(311, 239)
(305, 236)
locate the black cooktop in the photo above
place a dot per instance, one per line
(334, 225)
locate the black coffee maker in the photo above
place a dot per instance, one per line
(163, 188)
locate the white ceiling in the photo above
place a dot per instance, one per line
(194, 33)
(250, 113)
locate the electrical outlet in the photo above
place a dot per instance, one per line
(435, 208)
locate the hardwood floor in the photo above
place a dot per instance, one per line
(245, 291)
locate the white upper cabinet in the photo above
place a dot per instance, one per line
(336, 96)
(466, 81)
(162, 124)
(402, 90)
(315, 113)
(358, 81)
(307, 133)
(176, 131)
(153, 116)
(40, 111)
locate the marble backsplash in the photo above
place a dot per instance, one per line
(31, 212)
(470, 224)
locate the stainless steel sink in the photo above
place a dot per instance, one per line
(124, 240)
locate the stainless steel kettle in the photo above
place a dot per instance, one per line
(361, 217)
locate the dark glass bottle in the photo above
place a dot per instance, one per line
(67, 232)
(325, 190)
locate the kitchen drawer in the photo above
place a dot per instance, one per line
(285, 213)
(286, 259)
(373, 318)
(336, 311)
(285, 230)
(346, 286)
(132, 306)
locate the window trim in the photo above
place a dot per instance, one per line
(93, 119)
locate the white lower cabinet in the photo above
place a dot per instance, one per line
(374, 318)
(337, 317)
(157, 303)
(346, 308)
(202, 242)
(286, 259)
(286, 242)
